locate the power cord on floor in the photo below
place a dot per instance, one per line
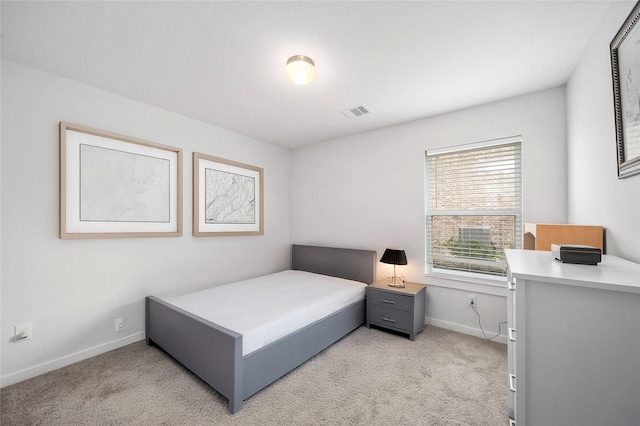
(480, 324)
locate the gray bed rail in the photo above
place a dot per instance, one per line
(214, 353)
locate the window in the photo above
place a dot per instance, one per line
(473, 206)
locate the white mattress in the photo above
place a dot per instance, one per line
(264, 309)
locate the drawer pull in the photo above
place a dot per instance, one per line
(388, 319)
(512, 334)
(511, 285)
(512, 382)
(390, 302)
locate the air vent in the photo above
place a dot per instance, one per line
(354, 112)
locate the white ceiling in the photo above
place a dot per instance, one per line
(223, 62)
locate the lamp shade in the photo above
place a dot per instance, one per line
(300, 69)
(394, 257)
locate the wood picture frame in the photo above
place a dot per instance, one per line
(625, 69)
(114, 186)
(228, 197)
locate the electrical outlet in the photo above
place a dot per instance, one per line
(119, 324)
(23, 332)
(471, 301)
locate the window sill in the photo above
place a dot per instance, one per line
(468, 282)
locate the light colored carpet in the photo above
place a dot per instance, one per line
(370, 377)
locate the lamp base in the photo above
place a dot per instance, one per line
(400, 285)
(396, 282)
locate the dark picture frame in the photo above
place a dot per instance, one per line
(625, 69)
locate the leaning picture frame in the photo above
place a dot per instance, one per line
(228, 197)
(115, 186)
(625, 70)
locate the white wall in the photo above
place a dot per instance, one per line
(367, 191)
(73, 290)
(362, 191)
(596, 195)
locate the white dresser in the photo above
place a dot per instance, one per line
(574, 341)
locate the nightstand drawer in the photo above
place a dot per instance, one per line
(391, 300)
(390, 317)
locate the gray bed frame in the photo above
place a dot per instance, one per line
(214, 353)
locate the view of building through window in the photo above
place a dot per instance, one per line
(474, 203)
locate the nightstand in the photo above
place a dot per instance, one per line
(396, 308)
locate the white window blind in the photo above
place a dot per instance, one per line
(474, 206)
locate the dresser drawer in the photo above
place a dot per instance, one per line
(390, 317)
(392, 300)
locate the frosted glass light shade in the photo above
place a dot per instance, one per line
(300, 69)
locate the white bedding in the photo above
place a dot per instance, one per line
(264, 309)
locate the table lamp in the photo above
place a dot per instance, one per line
(394, 257)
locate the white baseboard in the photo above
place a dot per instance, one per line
(465, 329)
(48, 366)
(45, 367)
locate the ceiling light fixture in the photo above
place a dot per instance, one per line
(300, 69)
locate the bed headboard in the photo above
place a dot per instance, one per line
(351, 264)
